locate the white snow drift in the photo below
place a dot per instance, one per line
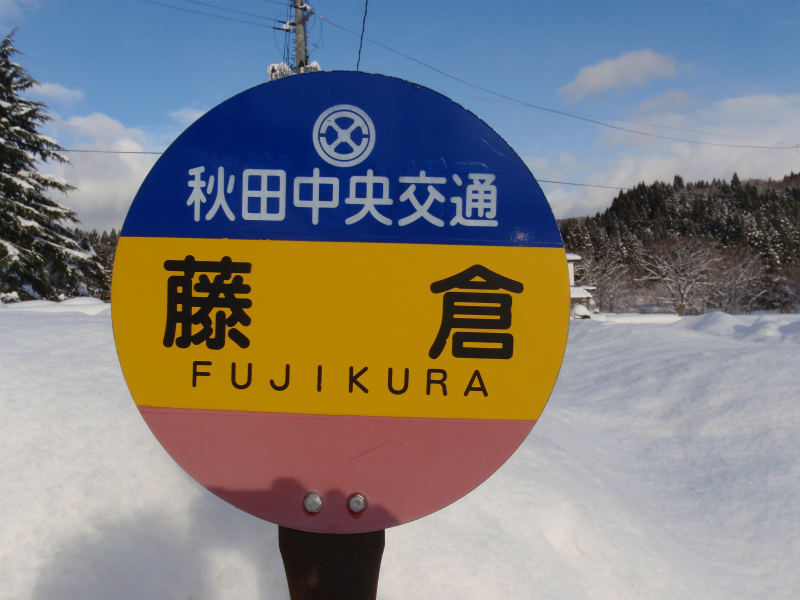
(666, 466)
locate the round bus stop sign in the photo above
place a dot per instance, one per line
(340, 301)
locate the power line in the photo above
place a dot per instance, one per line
(607, 187)
(363, 27)
(109, 151)
(228, 9)
(591, 185)
(728, 135)
(321, 40)
(197, 12)
(159, 153)
(618, 120)
(556, 111)
(589, 119)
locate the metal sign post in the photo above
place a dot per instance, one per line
(340, 302)
(327, 566)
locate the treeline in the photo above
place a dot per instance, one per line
(91, 278)
(104, 247)
(691, 248)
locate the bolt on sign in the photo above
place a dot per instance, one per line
(340, 301)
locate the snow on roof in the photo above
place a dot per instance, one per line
(579, 292)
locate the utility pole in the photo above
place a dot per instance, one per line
(300, 41)
(302, 12)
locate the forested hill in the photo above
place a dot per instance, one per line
(754, 220)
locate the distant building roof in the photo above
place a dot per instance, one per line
(580, 292)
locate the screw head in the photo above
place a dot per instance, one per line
(312, 502)
(356, 503)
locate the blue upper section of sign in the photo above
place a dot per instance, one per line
(343, 156)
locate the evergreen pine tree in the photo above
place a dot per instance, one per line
(105, 248)
(39, 255)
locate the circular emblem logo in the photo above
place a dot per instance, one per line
(344, 135)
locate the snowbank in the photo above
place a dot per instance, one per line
(634, 318)
(85, 305)
(666, 466)
(774, 329)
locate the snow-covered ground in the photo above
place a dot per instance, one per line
(666, 465)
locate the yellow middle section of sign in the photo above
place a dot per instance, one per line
(333, 309)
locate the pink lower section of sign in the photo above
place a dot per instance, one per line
(406, 468)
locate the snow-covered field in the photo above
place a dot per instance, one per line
(666, 465)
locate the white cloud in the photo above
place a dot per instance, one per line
(759, 110)
(632, 159)
(57, 92)
(107, 183)
(671, 99)
(541, 167)
(567, 160)
(12, 10)
(186, 115)
(544, 168)
(633, 68)
(103, 130)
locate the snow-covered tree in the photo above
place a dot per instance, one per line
(612, 278)
(682, 268)
(734, 285)
(39, 256)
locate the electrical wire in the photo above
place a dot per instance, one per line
(321, 39)
(109, 151)
(275, 39)
(197, 12)
(590, 119)
(228, 9)
(287, 45)
(607, 187)
(511, 100)
(363, 27)
(159, 153)
(590, 185)
(618, 120)
(556, 111)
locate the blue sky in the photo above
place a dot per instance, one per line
(131, 75)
